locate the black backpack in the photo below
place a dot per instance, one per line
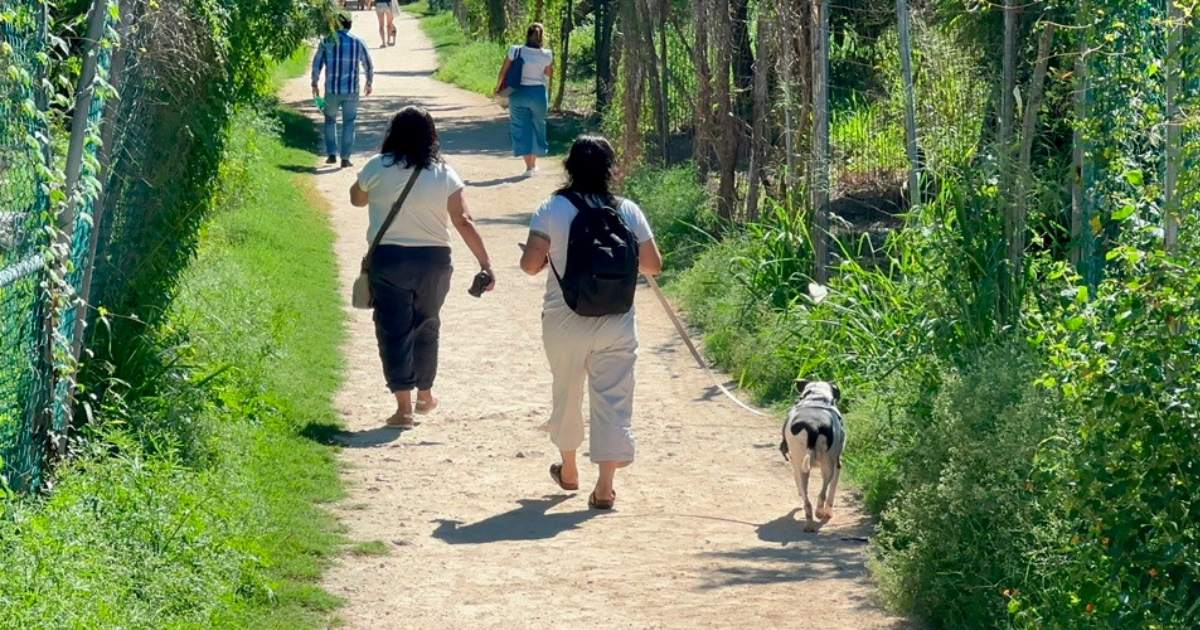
(602, 261)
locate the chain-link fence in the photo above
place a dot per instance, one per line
(24, 242)
(45, 236)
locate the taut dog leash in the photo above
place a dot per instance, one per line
(687, 341)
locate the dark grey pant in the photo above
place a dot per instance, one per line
(409, 285)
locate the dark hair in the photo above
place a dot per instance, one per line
(345, 21)
(590, 166)
(535, 35)
(412, 139)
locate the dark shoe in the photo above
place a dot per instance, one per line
(347, 164)
(331, 159)
(556, 475)
(597, 504)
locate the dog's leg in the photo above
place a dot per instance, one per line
(803, 472)
(827, 478)
(833, 483)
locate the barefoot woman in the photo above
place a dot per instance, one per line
(410, 271)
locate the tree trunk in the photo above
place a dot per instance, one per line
(539, 11)
(1081, 210)
(727, 122)
(1004, 148)
(497, 19)
(648, 56)
(633, 74)
(606, 17)
(743, 60)
(564, 58)
(910, 103)
(1171, 203)
(1037, 86)
(820, 141)
(703, 148)
(762, 76)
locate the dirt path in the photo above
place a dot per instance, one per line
(704, 535)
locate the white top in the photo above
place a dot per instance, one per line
(536, 60)
(424, 221)
(553, 221)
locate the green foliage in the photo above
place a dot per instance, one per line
(191, 503)
(946, 453)
(1123, 546)
(679, 210)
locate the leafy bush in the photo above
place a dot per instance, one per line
(947, 453)
(679, 210)
(1123, 546)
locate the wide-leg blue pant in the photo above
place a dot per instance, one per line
(527, 108)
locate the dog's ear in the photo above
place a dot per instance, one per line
(800, 384)
(837, 392)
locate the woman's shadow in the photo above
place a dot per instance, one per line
(528, 522)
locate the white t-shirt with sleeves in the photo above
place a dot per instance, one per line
(553, 222)
(536, 60)
(424, 221)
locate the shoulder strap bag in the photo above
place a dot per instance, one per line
(361, 296)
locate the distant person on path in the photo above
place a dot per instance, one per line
(385, 12)
(597, 350)
(529, 101)
(341, 55)
(410, 271)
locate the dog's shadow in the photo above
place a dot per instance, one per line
(787, 528)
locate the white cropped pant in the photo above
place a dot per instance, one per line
(601, 352)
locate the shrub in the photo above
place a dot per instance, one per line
(1123, 546)
(950, 456)
(679, 210)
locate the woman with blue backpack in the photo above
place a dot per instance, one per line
(525, 81)
(595, 245)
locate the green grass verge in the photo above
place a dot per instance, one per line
(198, 506)
(472, 63)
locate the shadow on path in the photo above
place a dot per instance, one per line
(528, 522)
(331, 435)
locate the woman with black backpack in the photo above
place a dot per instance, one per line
(524, 80)
(595, 245)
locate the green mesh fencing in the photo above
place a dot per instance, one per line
(38, 289)
(24, 213)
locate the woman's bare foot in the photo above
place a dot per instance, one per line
(426, 403)
(401, 420)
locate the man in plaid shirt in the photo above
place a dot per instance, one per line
(340, 56)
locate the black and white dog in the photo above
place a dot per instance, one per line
(815, 434)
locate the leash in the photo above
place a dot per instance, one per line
(687, 341)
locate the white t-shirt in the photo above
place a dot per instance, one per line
(553, 221)
(424, 221)
(536, 60)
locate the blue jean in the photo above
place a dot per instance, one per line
(348, 103)
(527, 107)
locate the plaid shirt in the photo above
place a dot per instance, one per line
(340, 56)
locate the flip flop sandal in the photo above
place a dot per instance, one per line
(597, 504)
(556, 475)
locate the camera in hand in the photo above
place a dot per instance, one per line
(483, 280)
